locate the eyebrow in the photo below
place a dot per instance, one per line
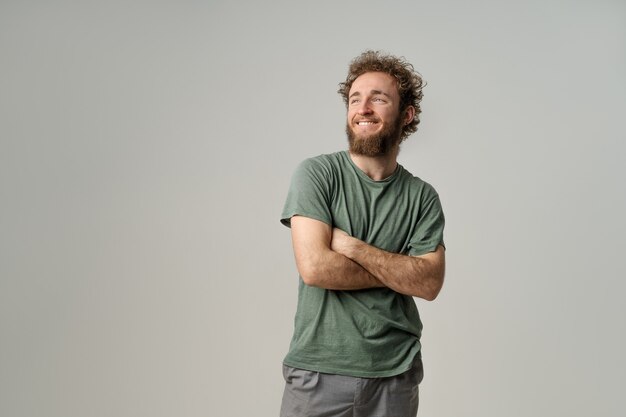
(373, 92)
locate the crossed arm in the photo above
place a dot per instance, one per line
(330, 258)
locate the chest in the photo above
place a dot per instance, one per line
(384, 215)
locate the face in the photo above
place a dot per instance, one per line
(374, 122)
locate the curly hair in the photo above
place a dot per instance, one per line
(409, 81)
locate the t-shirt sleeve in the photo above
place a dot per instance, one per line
(428, 234)
(309, 193)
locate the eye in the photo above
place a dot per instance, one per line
(354, 101)
(378, 100)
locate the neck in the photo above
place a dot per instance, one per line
(377, 167)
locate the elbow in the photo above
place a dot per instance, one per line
(311, 270)
(430, 295)
(308, 279)
(309, 275)
(430, 292)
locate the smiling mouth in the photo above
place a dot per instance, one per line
(366, 123)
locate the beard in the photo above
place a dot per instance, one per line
(376, 144)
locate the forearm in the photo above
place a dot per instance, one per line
(333, 271)
(319, 266)
(417, 276)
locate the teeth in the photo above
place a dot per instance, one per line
(365, 123)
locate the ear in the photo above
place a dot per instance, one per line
(409, 114)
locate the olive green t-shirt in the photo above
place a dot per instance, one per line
(371, 332)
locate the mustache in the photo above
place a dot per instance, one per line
(366, 119)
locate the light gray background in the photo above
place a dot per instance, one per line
(146, 150)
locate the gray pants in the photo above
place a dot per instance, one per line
(315, 394)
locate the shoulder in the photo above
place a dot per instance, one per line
(322, 164)
(330, 159)
(418, 185)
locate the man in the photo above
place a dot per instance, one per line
(367, 237)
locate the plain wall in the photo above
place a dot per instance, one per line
(145, 154)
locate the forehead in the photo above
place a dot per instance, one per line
(374, 81)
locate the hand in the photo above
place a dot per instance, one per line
(341, 242)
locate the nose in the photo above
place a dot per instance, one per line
(364, 107)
